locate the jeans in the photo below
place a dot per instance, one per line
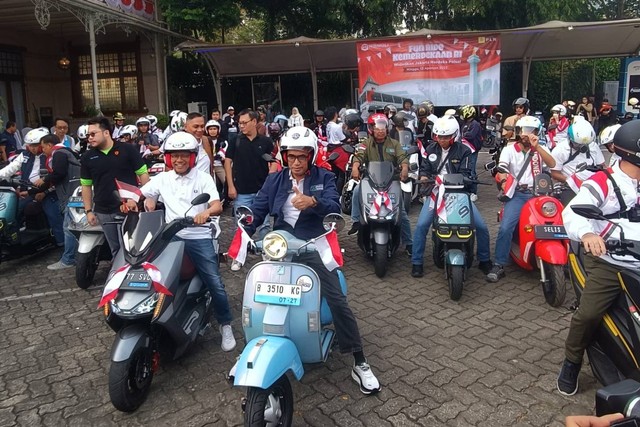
(70, 241)
(111, 231)
(473, 159)
(425, 220)
(205, 260)
(356, 215)
(510, 219)
(344, 321)
(51, 209)
(247, 200)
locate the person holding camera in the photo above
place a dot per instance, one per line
(523, 160)
(615, 192)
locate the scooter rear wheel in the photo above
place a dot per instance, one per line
(555, 288)
(130, 380)
(272, 406)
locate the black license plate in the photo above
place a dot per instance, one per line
(550, 232)
(137, 281)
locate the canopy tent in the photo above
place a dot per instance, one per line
(553, 40)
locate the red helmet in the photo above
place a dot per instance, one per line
(377, 120)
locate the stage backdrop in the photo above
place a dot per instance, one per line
(449, 71)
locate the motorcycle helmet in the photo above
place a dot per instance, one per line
(409, 101)
(299, 138)
(400, 119)
(626, 142)
(212, 123)
(319, 113)
(130, 130)
(581, 133)
(35, 135)
(605, 108)
(425, 109)
(378, 121)
(467, 111)
(143, 121)
(353, 121)
(607, 135)
(450, 112)
(153, 120)
(83, 130)
(560, 109)
(118, 116)
(178, 121)
(522, 101)
(390, 110)
(174, 113)
(282, 121)
(446, 125)
(274, 130)
(528, 125)
(180, 141)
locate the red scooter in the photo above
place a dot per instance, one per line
(540, 241)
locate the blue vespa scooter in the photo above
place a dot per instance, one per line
(284, 323)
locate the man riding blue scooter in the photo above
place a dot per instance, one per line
(299, 197)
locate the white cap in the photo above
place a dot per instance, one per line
(230, 107)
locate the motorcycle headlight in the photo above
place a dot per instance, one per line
(549, 209)
(147, 305)
(274, 246)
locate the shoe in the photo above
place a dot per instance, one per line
(236, 265)
(59, 266)
(228, 340)
(354, 229)
(416, 270)
(568, 379)
(485, 266)
(409, 250)
(473, 197)
(496, 273)
(363, 375)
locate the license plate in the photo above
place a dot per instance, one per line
(75, 202)
(137, 281)
(550, 232)
(278, 293)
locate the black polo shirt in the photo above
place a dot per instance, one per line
(250, 170)
(101, 169)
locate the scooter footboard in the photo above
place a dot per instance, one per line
(552, 251)
(88, 241)
(265, 359)
(128, 340)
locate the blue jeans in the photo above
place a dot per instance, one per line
(425, 220)
(205, 260)
(247, 200)
(51, 209)
(70, 241)
(356, 214)
(510, 219)
(473, 159)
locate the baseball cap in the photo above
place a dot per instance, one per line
(230, 107)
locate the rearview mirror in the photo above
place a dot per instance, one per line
(200, 199)
(244, 214)
(268, 157)
(588, 211)
(348, 149)
(335, 220)
(333, 156)
(489, 166)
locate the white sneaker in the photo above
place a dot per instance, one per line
(236, 265)
(228, 340)
(59, 266)
(363, 375)
(473, 197)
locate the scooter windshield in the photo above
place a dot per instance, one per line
(380, 174)
(406, 139)
(137, 235)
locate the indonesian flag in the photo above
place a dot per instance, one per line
(238, 248)
(509, 186)
(329, 250)
(574, 183)
(437, 201)
(423, 149)
(381, 199)
(128, 191)
(156, 278)
(112, 287)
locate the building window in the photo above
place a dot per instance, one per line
(119, 81)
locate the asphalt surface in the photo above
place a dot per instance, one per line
(490, 359)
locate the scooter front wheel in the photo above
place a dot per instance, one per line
(380, 259)
(555, 286)
(86, 266)
(270, 407)
(456, 281)
(130, 380)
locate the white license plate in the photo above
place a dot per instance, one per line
(278, 293)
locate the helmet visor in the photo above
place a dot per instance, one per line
(526, 130)
(380, 124)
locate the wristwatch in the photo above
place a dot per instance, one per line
(88, 211)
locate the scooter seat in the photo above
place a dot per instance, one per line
(187, 269)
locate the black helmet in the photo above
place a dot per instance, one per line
(400, 119)
(319, 113)
(522, 101)
(425, 108)
(353, 121)
(626, 142)
(409, 100)
(275, 130)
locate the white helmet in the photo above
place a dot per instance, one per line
(153, 120)
(581, 133)
(446, 126)
(178, 121)
(83, 130)
(450, 112)
(142, 121)
(211, 123)
(180, 141)
(560, 109)
(299, 138)
(606, 137)
(35, 135)
(528, 125)
(130, 130)
(174, 113)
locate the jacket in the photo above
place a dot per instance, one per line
(64, 173)
(457, 160)
(274, 193)
(392, 152)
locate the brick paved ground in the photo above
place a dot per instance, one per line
(489, 359)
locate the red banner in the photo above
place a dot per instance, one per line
(447, 70)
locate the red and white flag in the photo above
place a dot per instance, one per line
(156, 278)
(381, 199)
(423, 149)
(329, 250)
(128, 191)
(112, 286)
(437, 200)
(470, 145)
(509, 187)
(238, 248)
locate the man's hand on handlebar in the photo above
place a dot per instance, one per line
(201, 218)
(129, 205)
(594, 244)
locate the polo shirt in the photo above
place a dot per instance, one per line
(101, 169)
(334, 133)
(563, 152)
(177, 192)
(513, 158)
(250, 170)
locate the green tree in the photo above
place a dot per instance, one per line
(202, 19)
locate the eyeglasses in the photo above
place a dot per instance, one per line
(93, 134)
(62, 127)
(291, 158)
(245, 123)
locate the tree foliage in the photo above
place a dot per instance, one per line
(201, 19)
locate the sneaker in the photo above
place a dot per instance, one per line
(496, 273)
(364, 377)
(59, 266)
(416, 270)
(228, 340)
(236, 265)
(568, 379)
(485, 266)
(409, 250)
(473, 197)
(354, 229)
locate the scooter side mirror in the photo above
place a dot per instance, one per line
(200, 199)
(335, 220)
(588, 211)
(489, 166)
(348, 149)
(333, 156)
(244, 214)
(268, 157)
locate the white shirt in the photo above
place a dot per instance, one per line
(443, 157)
(514, 161)
(290, 213)
(614, 159)
(116, 131)
(563, 151)
(16, 164)
(177, 191)
(334, 133)
(203, 162)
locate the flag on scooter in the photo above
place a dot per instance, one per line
(423, 149)
(128, 191)
(112, 286)
(238, 248)
(437, 200)
(382, 198)
(574, 183)
(156, 278)
(509, 187)
(329, 250)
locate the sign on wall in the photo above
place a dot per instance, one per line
(447, 70)
(629, 84)
(142, 8)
